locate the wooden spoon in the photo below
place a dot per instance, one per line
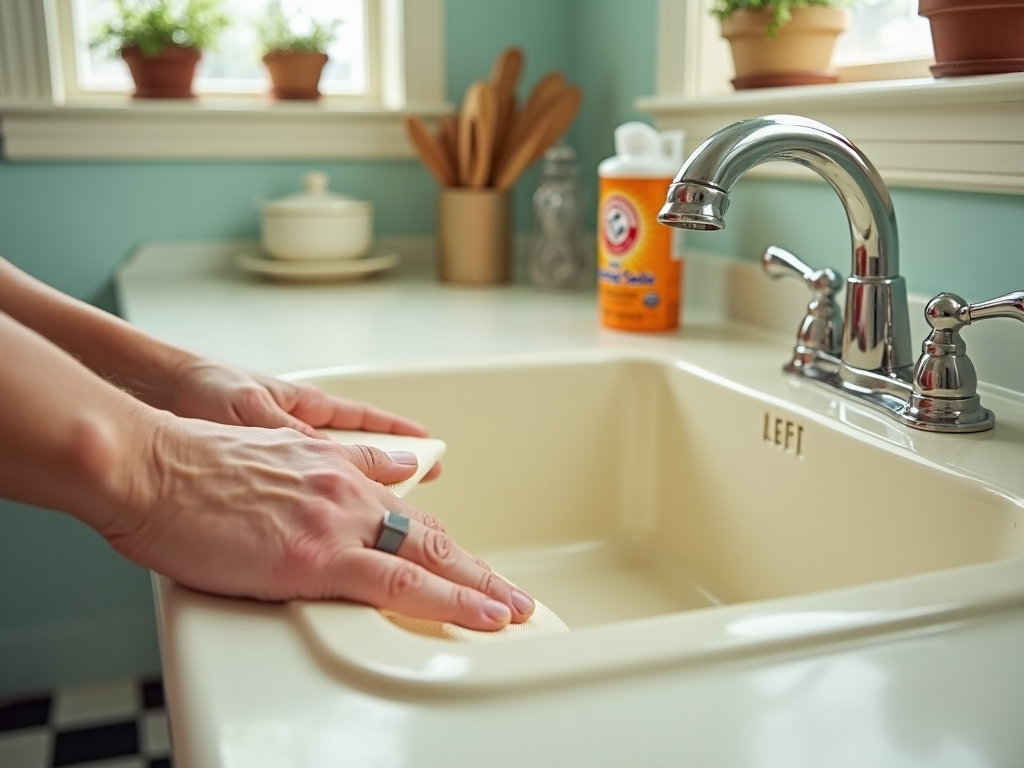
(563, 109)
(546, 128)
(448, 136)
(476, 134)
(430, 151)
(505, 77)
(545, 88)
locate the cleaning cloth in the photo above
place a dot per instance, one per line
(428, 451)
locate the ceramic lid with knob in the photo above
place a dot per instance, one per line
(316, 200)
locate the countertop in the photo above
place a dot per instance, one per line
(245, 690)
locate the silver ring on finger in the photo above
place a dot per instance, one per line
(396, 528)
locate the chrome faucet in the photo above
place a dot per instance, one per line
(870, 355)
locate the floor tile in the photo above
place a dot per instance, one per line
(126, 762)
(154, 734)
(101, 742)
(25, 713)
(96, 702)
(153, 694)
(25, 749)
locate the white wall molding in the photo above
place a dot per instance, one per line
(960, 133)
(204, 131)
(963, 134)
(37, 123)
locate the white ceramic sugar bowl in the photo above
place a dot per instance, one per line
(316, 224)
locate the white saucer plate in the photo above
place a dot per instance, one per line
(316, 271)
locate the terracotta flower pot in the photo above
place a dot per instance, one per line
(976, 37)
(295, 75)
(800, 54)
(166, 75)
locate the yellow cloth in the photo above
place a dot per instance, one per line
(428, 452)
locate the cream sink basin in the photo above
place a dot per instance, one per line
(662, 510)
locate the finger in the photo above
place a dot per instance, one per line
(314, 407)
(256, 407)
(436, 551)
(432, 474)
(395, 584)
(385, 468)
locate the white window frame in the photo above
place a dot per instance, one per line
(39, 122)
(958, 133)
(65, 26)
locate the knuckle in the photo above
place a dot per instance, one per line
(252, 396)
(490, 584)
(333, 484)
(311, 548)
(372, 457)
(460, 602)
(431, 522)
(403, 580)
(438, 549)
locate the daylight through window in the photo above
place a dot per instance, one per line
(884, 30)
(234, 66)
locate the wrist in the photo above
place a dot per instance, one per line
(159, 378)
(113, 457)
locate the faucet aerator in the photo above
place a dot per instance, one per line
(695, 206)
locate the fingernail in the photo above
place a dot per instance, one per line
(403, 457)
(523, 602)
(496, 611)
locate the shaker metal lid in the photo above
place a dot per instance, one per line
(316, 200)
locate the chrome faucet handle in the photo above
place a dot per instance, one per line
(821, 331)
(945, 396)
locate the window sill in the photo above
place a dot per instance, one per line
(225, 129)
(962, 134)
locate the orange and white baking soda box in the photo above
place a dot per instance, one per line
(640, 262)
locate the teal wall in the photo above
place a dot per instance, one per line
(70, 609)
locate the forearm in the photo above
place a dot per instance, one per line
(68, 440)
(112, 348)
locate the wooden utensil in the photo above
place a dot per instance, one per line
(430, 151)
(549, 123)
(476, 134)
(505, 77)
(544, 89)
(563, 109)
(448, 136)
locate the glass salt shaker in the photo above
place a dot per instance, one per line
(557, 255)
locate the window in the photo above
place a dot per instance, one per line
(884, 30)
(233, 66)
(45, 114)
(887, 40)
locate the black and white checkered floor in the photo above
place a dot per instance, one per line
(113, 724)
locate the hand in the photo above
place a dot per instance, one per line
(273, 515)
(211, 390)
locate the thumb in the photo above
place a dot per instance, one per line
(385, 468)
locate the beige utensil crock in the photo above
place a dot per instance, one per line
(474, 236)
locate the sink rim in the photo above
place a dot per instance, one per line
(357, 643)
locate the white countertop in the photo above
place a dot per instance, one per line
(245, 690)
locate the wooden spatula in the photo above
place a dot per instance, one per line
(505, 78)
(433, 156)
(476, 134)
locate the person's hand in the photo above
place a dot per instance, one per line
(273, 515)
(208, 389)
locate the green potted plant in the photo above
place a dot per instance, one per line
(782, 42)
(975, 38)
(294, 52)
(161, 41)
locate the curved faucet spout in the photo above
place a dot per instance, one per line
(876, 339)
